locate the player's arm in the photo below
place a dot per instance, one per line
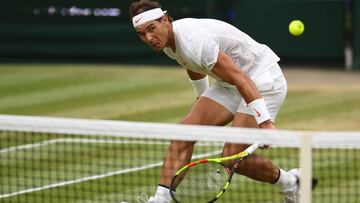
(199, 82)
(228, 71)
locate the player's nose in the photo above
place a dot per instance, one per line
(149, 37)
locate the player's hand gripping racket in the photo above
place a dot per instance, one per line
(207, 179)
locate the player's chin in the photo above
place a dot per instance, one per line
(157, 47)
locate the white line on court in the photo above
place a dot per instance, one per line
(75, 140)
(82, 140)
(123, 171)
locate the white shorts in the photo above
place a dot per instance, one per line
(271, 84)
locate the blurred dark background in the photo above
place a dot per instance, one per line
(101, 32)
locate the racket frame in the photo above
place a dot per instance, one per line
(237, 157)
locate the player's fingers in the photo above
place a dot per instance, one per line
(264, 146)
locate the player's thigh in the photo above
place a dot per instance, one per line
(242, 120)
(206, 111)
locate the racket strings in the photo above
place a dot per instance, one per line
(202, 182)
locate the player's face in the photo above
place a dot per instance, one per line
(154, 33)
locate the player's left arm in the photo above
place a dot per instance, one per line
(195, 76)
(199, 82)
(228, 71)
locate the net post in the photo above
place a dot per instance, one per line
(306, 168)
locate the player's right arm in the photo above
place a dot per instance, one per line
(228, 71)
(199, 82)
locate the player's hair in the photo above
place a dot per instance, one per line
(138, 7)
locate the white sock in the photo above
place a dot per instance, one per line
(162, 193)
(285, 180)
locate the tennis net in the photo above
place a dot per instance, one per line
(44, 159)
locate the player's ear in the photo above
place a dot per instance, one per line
(165, 19)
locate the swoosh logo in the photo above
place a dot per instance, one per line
(136, 21)
(257, 113)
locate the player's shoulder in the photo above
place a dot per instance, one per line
(185, 21)
(191, 22)
(185, 25)
(189, 29)
(187, 32)
(202, 26)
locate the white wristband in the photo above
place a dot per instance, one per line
(200, 85)
(259, 110)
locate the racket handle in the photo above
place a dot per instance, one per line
(252, 148)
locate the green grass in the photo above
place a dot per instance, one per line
(147, 93)
(152, 94)
(106, 92)
(337, 109)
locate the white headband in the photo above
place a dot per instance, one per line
(146, 16)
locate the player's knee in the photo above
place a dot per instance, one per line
(231, 149)
(191, 119)
(181, 145)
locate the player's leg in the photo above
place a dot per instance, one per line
(259, 168)
(255, 167)
(205, 111)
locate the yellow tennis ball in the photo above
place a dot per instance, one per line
(296, 27)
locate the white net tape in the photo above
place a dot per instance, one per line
(284, 138)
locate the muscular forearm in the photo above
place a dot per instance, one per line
(247, 88)
(227, 70)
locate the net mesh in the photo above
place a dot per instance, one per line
(72, 160)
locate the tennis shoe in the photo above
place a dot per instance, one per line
(142, 198)
(158, 199)
(291, 193)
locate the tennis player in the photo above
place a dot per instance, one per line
(248, 91)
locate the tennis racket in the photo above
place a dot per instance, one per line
(207, 179)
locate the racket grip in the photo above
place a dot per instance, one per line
(252, 148)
